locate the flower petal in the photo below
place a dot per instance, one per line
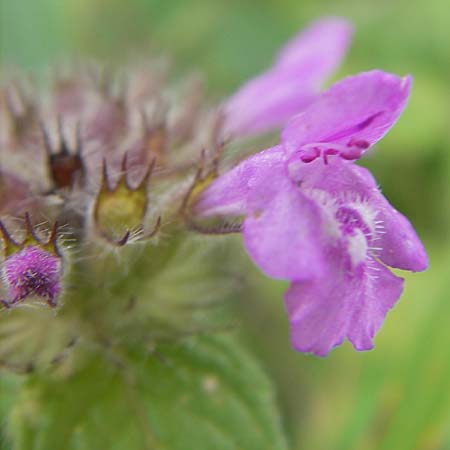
(382, 289)
(318, 49)
(398, 244)
(359, 108)
(229, 193)
(325, 311)
(270, 99)
(400, 247)
(281, 235)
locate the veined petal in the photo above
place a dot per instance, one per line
(396, 241)
(281, 235)
(229, 193)
(326, 310)
(359, 108)
(270, 99)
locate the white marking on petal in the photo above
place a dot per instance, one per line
(368, 215)
(357, 248)
(361, 242)
(328, 206)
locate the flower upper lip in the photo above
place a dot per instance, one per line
(353, 129)
(359, 108)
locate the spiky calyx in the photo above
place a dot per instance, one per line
(118, 168)
(120, 210)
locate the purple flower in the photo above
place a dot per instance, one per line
(293, 82)
(315, 218)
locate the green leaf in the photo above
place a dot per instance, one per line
(205, 393)
(9, 386)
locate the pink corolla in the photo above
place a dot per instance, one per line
(315, 218)
(294, 80)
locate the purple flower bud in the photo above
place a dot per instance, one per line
(32, 272)
(31, 267)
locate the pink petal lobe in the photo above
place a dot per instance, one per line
(230, 193)
(382, 289)
(361, 108)
(325, 311)
(270, 99)
(281, 235)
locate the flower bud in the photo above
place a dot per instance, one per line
(64, 165)
(32, 268)
(119, 211)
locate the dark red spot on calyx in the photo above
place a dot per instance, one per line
(64, 168)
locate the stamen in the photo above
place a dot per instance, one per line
(309, 155)
(352, 151)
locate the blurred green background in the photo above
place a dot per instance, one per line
(396, 397)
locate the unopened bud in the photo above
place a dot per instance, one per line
(32, 268)
(119, 211)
